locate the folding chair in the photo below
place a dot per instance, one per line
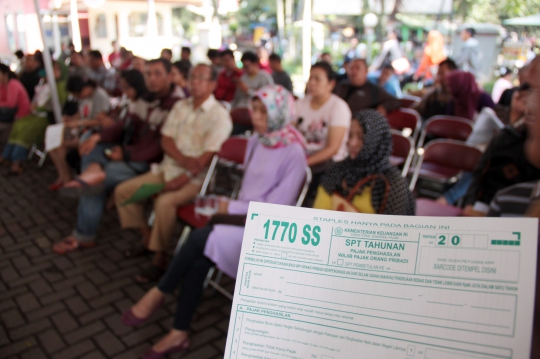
(449, 127)
(231, 155)
(402, 151)
(41, 154)
(215, 283)
(409, 101)
(442, 160)
(405, 118)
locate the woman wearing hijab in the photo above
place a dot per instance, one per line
(30, 129)
(433, 56)
(366, 182)
(467, 99)
(275, 142)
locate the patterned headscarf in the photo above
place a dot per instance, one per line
(280, 110)
(374, 158)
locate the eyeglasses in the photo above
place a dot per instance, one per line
(198, 78)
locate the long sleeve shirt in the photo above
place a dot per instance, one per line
(14, 95)
(139, 133)
(366, 96)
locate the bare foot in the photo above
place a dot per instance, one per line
(148, 303)
(173, 338)
(442, 200)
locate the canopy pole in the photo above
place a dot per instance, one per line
(47, 61)
(306, 40)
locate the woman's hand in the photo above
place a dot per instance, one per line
(116, 154)
(223, 206)
(87, 146)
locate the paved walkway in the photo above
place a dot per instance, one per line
(63, 307)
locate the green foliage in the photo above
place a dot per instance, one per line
(254, 11)
(493, 11)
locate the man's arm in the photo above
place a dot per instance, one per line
(195, 165)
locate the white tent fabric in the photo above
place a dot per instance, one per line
(532, 20)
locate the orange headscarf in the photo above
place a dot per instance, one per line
(433, 54)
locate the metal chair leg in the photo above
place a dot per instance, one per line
(183, 237)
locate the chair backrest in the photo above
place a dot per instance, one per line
(403, 147)
(456, 155)
(449, 127)
(232, 151)
(405, 118)
(303, 192)
(409, 101)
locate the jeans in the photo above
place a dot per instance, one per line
(14, 152)
(191, 267)
(91, 207)
(459, 189)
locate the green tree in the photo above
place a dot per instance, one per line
(493, 11)
(254, 11)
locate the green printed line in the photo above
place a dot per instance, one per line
(388, 337)
(405, 321)
(349, 291)
(497, 309)
(455, 305)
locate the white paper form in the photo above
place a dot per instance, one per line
(331, 285)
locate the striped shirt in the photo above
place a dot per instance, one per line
(514, 201)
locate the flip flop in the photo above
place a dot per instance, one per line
(56, 186)
(70, 244)
(85, 189)
(152, 354)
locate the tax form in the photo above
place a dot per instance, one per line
(318, 284)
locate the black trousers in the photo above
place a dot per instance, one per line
(189, 268)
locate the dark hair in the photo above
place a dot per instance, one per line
(135, 80)
(212, 53)
(186, 49)
(19, 54)
(7, 71)
(95, 54)
(388, 67)
(398, 34)
(250, 56)
(227, 53)
(167, 51)
(471, 31)
(38, 56)
(213, 72)
(184, 70)
(76, 84)
(451, 64)
(503, 71)
(274, 57)
(325, 53)
(361, 60)
(166, 63)
(327, 68)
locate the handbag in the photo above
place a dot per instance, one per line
(7, 114)
(342, 204)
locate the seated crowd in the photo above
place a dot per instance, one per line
(174, 117)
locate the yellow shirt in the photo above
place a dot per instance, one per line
(362, 202)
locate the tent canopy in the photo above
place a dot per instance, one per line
(532, 20)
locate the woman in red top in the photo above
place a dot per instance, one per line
(12, 94)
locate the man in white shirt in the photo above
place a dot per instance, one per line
(193, 132)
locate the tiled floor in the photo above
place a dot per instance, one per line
(62, 307)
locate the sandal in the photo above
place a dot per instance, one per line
(85, 189)
(138, 250)
(56, 186)
(151, 273)
(131, 320)
(70, 244)
(152, 354)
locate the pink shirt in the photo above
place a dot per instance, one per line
(14, 95)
